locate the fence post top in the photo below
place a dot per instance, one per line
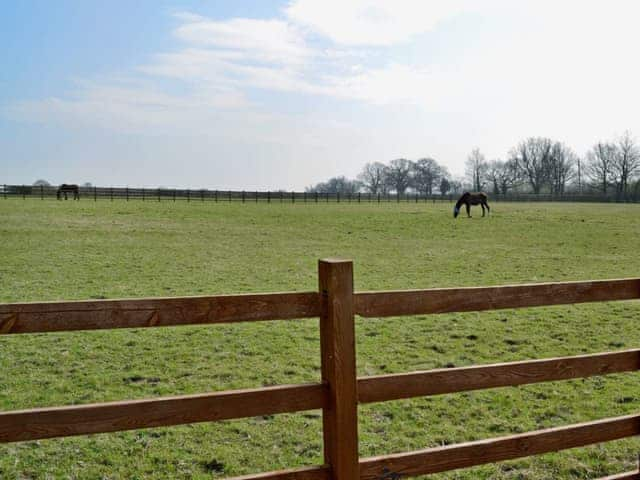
(335, 260)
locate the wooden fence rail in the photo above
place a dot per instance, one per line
(340, 391)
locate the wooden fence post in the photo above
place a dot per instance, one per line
(337, 346)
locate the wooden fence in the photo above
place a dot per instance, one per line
(205, 195)
(340, 391)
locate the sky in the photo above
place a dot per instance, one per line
(284, 94)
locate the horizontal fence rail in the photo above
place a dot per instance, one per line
(623, 476)
(451, 380)
(339, 392)
(480, 452)
(308, 473)
(474, 299)
(40, 423)
(155, 312)
(43, 423)
(207, 195)
(42, 317)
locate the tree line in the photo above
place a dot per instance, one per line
(535, 165)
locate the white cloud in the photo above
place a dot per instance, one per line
(372, 22)
(273, 55)
(264, 40)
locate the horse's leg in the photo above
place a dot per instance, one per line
(468, 209)
(482, 205)
(65, 196)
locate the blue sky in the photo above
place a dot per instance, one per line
(285, 94)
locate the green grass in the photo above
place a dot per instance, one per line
(78, 250)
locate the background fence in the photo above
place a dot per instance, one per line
(205, 195)
(340, 391)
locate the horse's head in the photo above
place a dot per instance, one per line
(456, 211)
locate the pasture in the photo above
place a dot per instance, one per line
(79, 250)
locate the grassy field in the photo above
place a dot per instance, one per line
(79, 250)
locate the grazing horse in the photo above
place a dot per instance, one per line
(468, 199)
(65, 188)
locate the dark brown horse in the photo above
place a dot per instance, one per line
(66, 188)
(471, 198)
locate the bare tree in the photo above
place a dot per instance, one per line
(41, 183)
(457, 185)
(426, 173)
(476, 169)
(373, 177)
(494, 170)
(336, 185)
(399, 175)
(599, 163)
(625, 162)
(562, 164)
(533, 158)
(503, 176)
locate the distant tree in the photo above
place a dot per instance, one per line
(457, 186)
(87, 184)
(399, 175)
(494, 170)
(373, 177)
(476, 168)
(340, 185)
(625, 162)
(510, 176)
(426, 173)
(599, 164)
(533, 157)
(562, 164)
(42, 183)
(445, 186)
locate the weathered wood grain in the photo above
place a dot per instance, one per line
(22, 425)
(449, 380)
(446, 300)
(307, 473)
(623, 476)
(480, 452)
(155, 312)
(338, 361)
